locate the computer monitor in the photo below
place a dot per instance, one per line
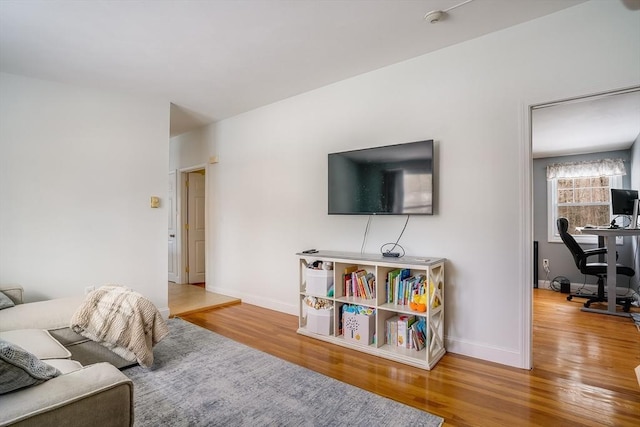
(622, 201)
(625, 202)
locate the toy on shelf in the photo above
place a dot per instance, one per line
(419, 303)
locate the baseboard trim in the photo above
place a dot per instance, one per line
(546, 284)
(505, 356)
(252, 299)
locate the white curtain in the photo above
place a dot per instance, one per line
(604, 167)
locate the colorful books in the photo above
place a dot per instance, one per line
(406, 331)
(418, 334)
(401, 287)
(362, 285)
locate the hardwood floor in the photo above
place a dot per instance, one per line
(583, 374)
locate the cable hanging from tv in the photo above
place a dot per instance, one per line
(390, 253)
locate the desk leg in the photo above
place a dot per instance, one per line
(612, 280)
(612, 277)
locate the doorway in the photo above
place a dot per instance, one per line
(187, 226)
(578, 126)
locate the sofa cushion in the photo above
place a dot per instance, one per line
(5, 301)
(50, 314)
(14, 292)
(96, 395)
(20, 369)
(37, 342)
(64, 365)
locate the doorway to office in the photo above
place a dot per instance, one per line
(601, 110)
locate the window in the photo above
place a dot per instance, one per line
(583, 200)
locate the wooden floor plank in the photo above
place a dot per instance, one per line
(583, 368)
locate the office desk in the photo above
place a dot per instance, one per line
(610, 235)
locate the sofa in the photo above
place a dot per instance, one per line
(85, 386)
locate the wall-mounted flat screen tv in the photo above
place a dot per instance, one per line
(389, 180)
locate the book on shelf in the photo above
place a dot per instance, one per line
(391, 330)
(363, 284)
(404, 325)
(371, 285)
(356, 286)
(391, 285)
(418, 334)
(406, 331)
(347, 279)
(401, 286)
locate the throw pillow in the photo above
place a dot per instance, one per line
(5, 301)
(19, 368)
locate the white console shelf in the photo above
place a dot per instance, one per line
(377, 267)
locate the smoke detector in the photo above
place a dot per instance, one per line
(434, 16)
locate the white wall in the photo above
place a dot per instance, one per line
(267, 196)
(188, 150)
(77, 169)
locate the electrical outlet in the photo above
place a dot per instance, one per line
(545, 264)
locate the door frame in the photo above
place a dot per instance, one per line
(181, 204)
(527, 205)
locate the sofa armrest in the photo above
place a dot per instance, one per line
(14, 292)
(98, 395)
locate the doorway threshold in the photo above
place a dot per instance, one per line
(187, 299)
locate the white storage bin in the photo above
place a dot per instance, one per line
(320, 321)
(319, 281)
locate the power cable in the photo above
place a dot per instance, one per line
(396, 243)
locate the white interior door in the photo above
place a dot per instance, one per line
(196, 228)
(173, 249)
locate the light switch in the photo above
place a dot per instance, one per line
(155, 202)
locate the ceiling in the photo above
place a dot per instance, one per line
(603, 122)
(216, 59)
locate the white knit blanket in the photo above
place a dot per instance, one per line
(121, 320)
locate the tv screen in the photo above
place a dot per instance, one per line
(389, 180)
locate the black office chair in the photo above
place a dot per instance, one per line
(598, 269)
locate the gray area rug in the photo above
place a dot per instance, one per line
(200, 378)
